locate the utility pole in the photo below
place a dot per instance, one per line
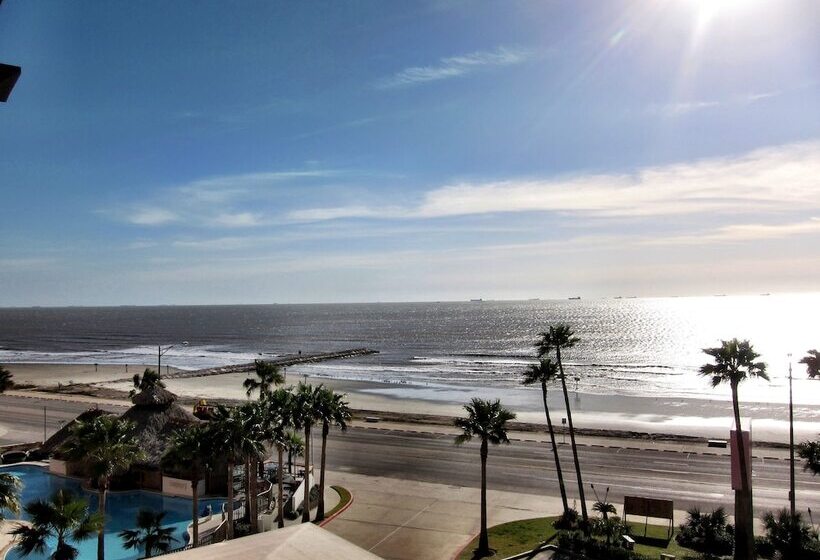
(45, 417)
(791, 444)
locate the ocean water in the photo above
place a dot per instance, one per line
(631, 347)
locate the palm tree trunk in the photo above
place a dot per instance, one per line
(320, 508)
(281, 488)
(253, 501)
(306, 504)
(229, 512)
(744, 532)
(483, 539)
(584, 515)
(555, 450)
(103, 490)
(195, 508)
(247, 515)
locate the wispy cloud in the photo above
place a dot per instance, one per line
(454, 66)
(680, 108)
(775, 179)
(147, 216)
(238, 220)
(744, 232)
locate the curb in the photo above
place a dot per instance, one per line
(338, 513)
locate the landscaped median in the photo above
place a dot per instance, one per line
(516, 537)
(345, 499)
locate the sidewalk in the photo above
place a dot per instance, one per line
(590, 441)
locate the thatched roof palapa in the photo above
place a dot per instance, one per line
(156, 416)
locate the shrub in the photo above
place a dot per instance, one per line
(790, 536)
(707, 533)
(567, 521)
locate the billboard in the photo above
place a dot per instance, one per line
(747, 448)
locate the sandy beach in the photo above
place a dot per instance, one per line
(687, 417)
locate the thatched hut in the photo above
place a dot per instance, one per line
(155, 416)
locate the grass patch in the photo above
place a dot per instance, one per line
(344, 499)
(655, 542)
(515, 537)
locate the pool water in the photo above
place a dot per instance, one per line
(121, 512)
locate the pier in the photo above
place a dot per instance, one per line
(282, 361)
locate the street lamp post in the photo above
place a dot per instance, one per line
(162, 351)
(791, 444)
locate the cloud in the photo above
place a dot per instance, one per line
(454, 66)
(775, 179)
(680, 108)
(147, 216)
(241, 219)
(744, 232)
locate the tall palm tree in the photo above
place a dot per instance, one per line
(556, 338)
(108, 448)
(734, 362)
(810, 452)
(279, 420)
(267, 375)
(63, 517)
(10, 487)
(295, 445)
(812, 361)
(333, 410)
(305, 416)
(149, 534)
(191, 451)
(6, 381)
(252, 449)
(149, 379)
(545, 372)
(486, 420)
(229, 436)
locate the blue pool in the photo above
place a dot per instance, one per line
(122, 508)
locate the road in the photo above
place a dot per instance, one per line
(524, 467)
(687, 478)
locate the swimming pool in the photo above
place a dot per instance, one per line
(121, 510)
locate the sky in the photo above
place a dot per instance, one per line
(211, 152)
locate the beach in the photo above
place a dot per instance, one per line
(704, 418)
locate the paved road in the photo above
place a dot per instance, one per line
(687, 478)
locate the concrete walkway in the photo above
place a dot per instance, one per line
(407, 520)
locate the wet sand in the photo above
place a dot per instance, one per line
(686, 417)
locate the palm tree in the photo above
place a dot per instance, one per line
(279, 419)
(229, 436)
(147, 380)
(707, 533)
(305, 414)
(149, 535)
(812, 361)
(252, 448)
(486, 420)
(554, 339)
(546, 371)
(810, 452)
(191, 451)
(735, 362)
(788, 533)
(295, 446)
(267, 375)
(108, 447)
(10, 487)
(62, 518)
(6, 381)
(333, 410)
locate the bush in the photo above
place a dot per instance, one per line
(707, 533)
(790, 536)
(568, 520)
(574, 544)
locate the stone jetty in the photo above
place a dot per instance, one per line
(281, 361)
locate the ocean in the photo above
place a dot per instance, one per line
(646, 347)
